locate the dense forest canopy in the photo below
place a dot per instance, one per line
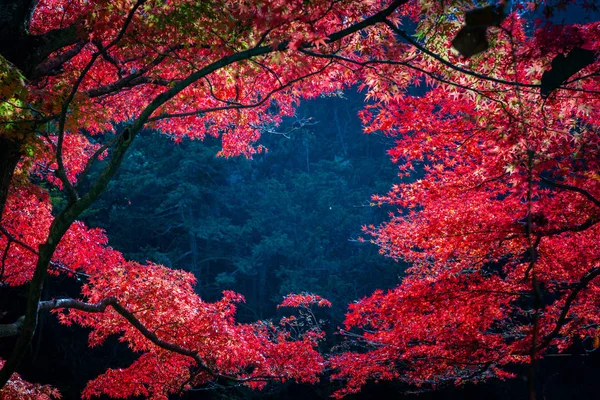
(492, 109)
(289, 217)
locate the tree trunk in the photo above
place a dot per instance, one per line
(190, 224)
(9, 158)
(262, 286)
(340, 131)
(307, 156)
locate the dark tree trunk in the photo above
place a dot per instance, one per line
(9, 158)
(191, 224)
(262, 288)
(30, 52)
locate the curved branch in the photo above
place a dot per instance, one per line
(61, 172)
(54, 65)
(562, 319)
(588, 223)
(238, 106)
(12, 239)
(130, 317)
(447, 63)
(8, 330)
(572, 188)
(135, 78)
(147, 333)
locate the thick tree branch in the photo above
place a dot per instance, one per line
(100, 307)
(137, 324)
(130, 317)
(238, 106)
(562, 319)
(591, 221)
(447, 63)
(135, 78)
(572, 188)
(90, 162)
(54, 65)
(8, 330)
(29, 52)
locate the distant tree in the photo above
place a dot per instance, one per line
(264, 227)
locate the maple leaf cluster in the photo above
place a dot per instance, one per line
(497, 213)
(18, 389)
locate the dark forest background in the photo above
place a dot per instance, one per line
(284, 222)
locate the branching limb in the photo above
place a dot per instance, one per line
(591, 221)
(238, 106)
(562, 319)
(571, 188)
(447, 63)
(8, 330)
(135, 78)
(61, 172)
(147, 333)
(54, 65)
(12, 239)
(90, 162)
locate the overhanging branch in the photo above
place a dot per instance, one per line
(571, 188)
(562, 319)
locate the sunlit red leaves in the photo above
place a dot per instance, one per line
(77, 150)
(437, 328)
(18, 389)
(304, 300)
(164, 301)
(472, 149)
(27, 218)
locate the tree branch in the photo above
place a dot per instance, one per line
(53, 66)
(135, 78)
(61, 172)
(585, 280)
(572, 188)
(591, 221)
(8, 330)
(147, 333)
(90, 162)
(12, 239)
(237, 106)
(15, 38)
(447, 63)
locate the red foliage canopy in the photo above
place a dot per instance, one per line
(500, 227)
(499, 205)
